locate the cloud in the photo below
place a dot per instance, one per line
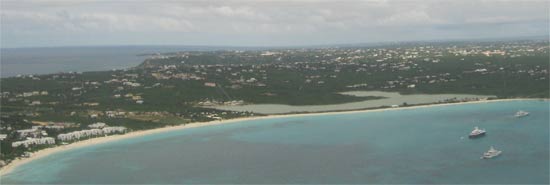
(64, 20)
(270, 22)
(411, 18)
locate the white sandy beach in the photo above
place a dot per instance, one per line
(42, 153)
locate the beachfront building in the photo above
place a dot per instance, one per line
(76, 135)
(34, 141)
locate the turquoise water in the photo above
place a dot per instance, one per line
(414, 146)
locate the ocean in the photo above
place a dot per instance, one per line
(412, 146)
(25, 61)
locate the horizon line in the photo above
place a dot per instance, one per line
(487, 39)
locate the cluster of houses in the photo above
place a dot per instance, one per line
(414, 81)
(505, 49)
(340, 60)
(132, 84)
(165, 74)
(54, 125)
(24, 95)
(115, 114)
(138, 99)
(32, 132)
(33, 93)
(109, 114)
(98, 125)
(122, 114)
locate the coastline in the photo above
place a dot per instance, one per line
(94, 141)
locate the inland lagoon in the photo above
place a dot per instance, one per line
(387, 99)
(414, 146)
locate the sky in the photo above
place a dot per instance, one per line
(48, 23)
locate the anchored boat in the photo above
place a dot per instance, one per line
(477, 133)
(521, 113)
(491, 153)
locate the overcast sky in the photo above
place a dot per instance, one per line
(264, 22)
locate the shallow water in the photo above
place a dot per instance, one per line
(422, 145)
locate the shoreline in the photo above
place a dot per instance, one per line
(94, 141)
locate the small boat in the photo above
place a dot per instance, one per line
(491, 153)
(477, 133)
(521, 113)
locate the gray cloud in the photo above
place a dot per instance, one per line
(263, 22)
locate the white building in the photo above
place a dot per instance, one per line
(34, 141)
(97, 125)
(76, 135)
(29, 132)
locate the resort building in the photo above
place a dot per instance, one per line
(76, 135)
(34, 141)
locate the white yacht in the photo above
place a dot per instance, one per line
(491, 153)
(521, 113)
(477, 133)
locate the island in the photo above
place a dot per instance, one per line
(195, 88)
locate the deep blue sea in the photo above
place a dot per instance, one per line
(413, 146)
(24, 61)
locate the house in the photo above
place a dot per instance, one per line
(27, 94)
(481, 70)
(251, 80)
(210, 84)
(90, 104)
